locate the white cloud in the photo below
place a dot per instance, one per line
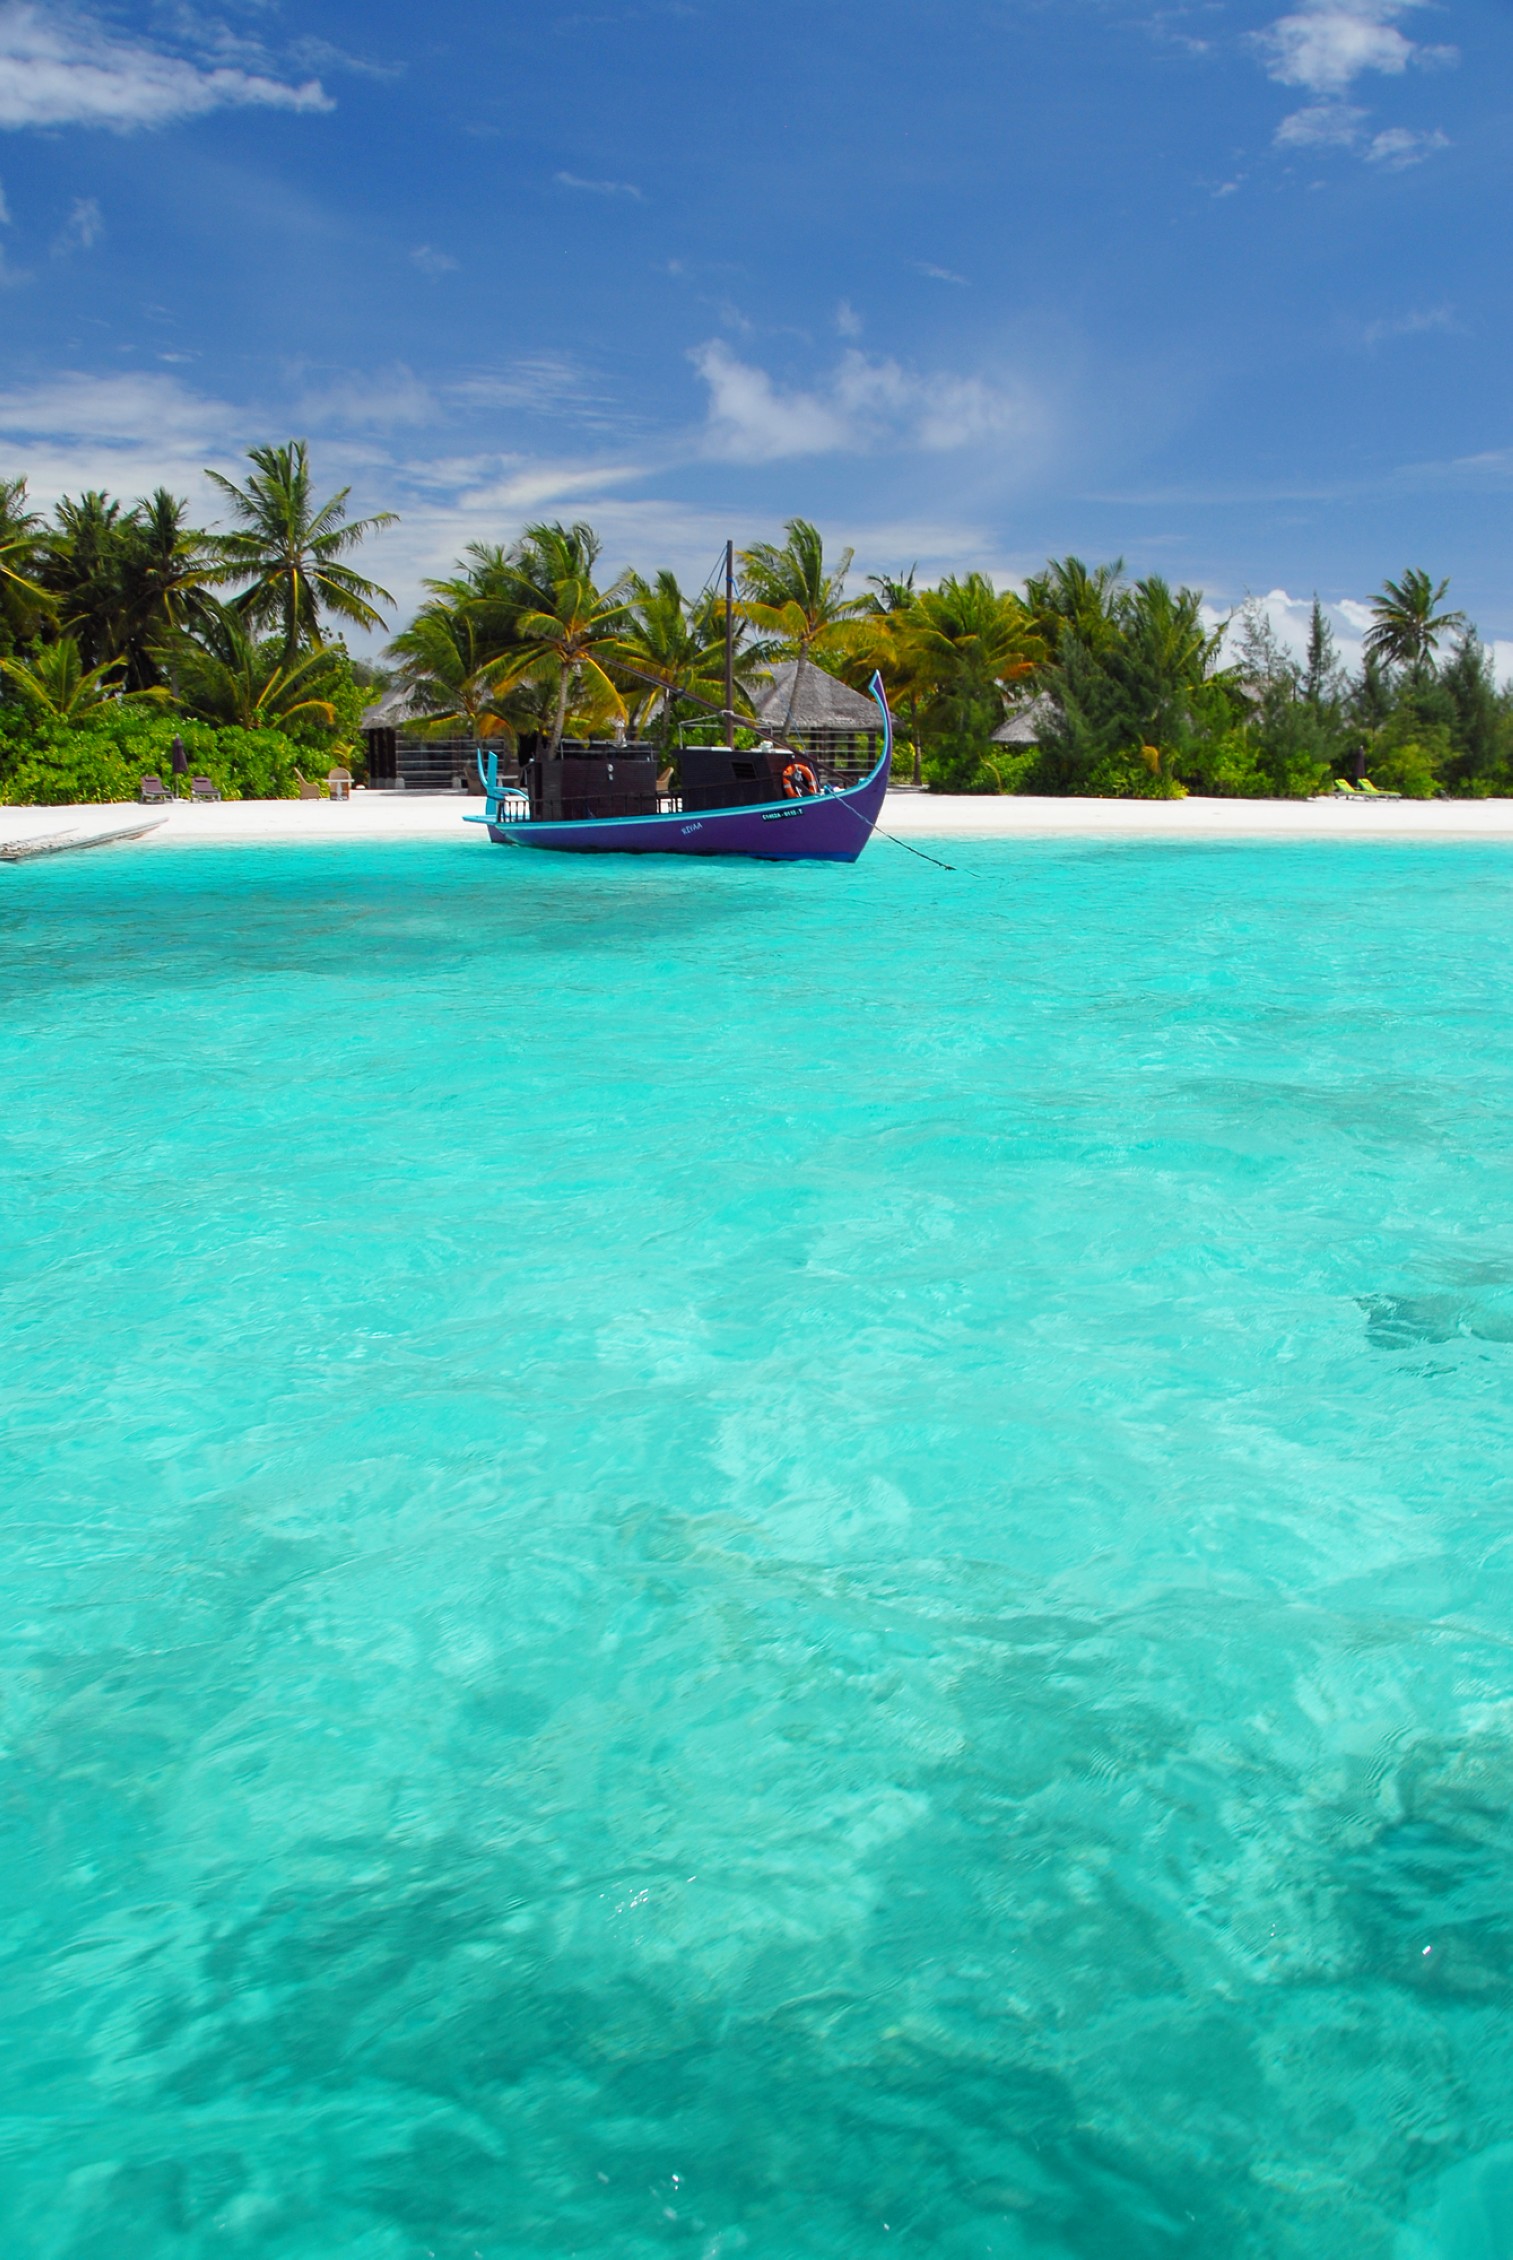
(1340, 125)
(861, 404)
(751, 421)
(430, 261)
(847, 319)
(939, 274)
(82, 230)
(1289, 618)
(1324, 46)
(526, 486)
(599, 187)
(1327, 45)
(1349, 617)
(133, 410)
(58, 68)
(1323, 125)
(1398, 148)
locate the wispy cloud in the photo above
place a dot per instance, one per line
(539, 384)
(58, 68)
(1323, 125)
(1398, 147)
(382, 401)
(430, 261)
(1341, 125)
(859, 405)
(82, 230)
(311, 54)
(599, 187)
(130, 410)
(939, 274)
(1417, 324)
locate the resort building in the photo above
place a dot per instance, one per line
(1023, 726)
(837, 728)
(401, 760)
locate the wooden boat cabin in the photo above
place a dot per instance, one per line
(590, 777)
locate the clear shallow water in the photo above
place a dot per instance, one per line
(711, 1560)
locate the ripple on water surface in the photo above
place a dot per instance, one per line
(778, 1561)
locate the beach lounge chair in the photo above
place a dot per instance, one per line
(1374, 792)
(308, 789)
(204, 788)
(151, 794)
(339, 783)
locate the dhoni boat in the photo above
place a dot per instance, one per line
(764, 801)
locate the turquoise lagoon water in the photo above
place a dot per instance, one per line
(714, 1560)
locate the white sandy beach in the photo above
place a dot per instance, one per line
(398, 817)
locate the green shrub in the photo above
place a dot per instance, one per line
(50, 764)
(1410, 756)
(1134, 773)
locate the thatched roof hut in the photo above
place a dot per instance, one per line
(817, 702)
(1025, 724)
(398, 760)
(826, 719)
(397, 707)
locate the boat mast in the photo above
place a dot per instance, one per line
(730, 643)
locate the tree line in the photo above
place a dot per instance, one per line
(121, 625)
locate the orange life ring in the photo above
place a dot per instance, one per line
(799, 780)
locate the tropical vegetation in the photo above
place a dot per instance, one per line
(123, 626)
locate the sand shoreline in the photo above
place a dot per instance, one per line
(400, 817)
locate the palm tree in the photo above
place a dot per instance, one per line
(672, 649)
(568, 629)
(1406, 629)
(223, 676)
(57, 687)
(966, 631)
(22, 599)
(962, 644)
(788, 593)
(167, 571)
(878, 644)
(448, 663)
(121, 578)
(1073, 599)
(82, 569)
(288, 549)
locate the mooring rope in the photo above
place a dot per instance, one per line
(893, 839)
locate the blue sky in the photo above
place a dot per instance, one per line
(1223, 288)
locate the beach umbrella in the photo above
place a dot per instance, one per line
(180, 757)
